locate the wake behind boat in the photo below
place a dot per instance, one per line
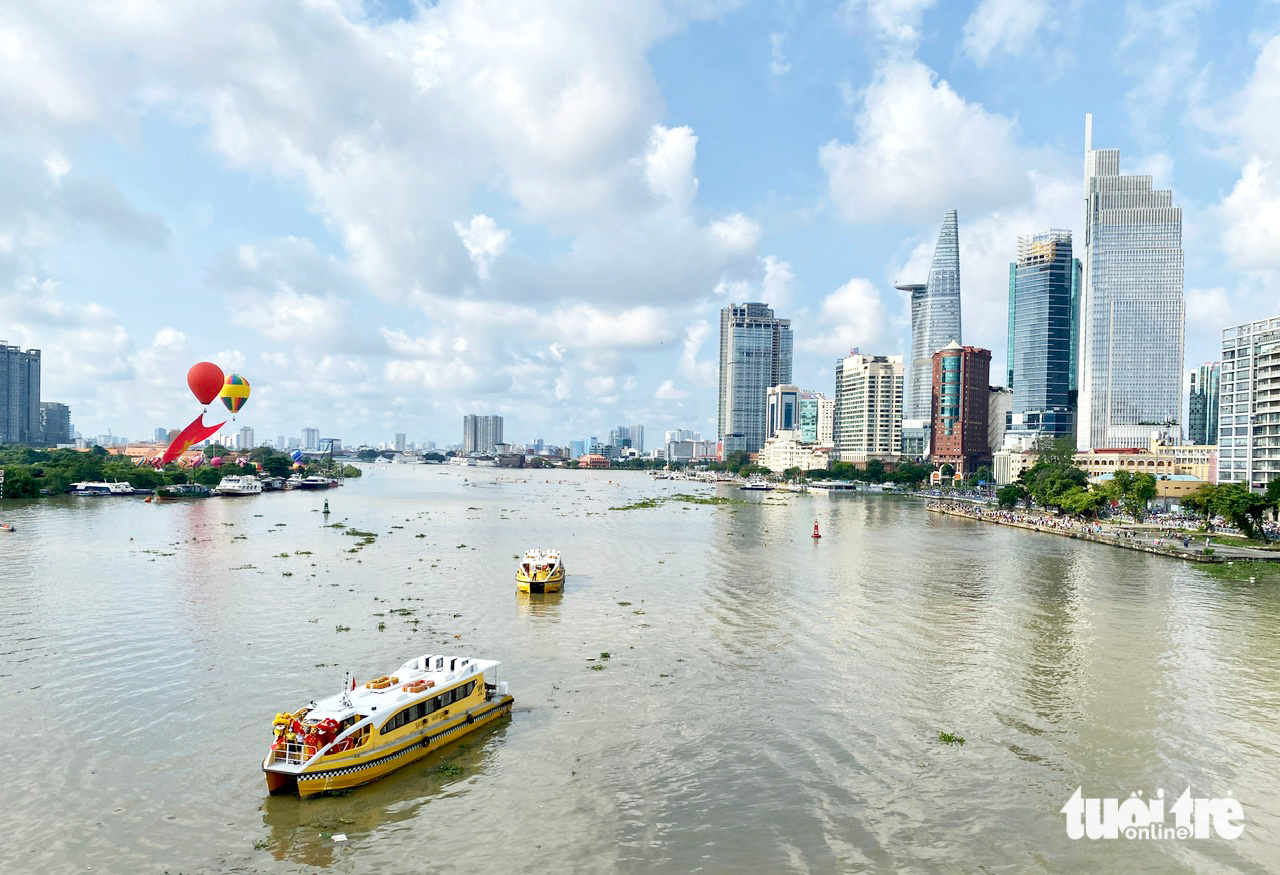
(361, 734)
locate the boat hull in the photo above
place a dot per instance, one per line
(554, 583)
(358, 770)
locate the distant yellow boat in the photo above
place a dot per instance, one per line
(540, 571)
(363, 733)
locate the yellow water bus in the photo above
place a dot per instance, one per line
(540, 571)
(370, 730)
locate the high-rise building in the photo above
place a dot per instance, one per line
(19, 395)
(280, 442)
(1044, 300)
(935, 317)
(961, 397)
(637, 438)
(1131, 306)
(244, 440)
(481, 434)
(160, 435)
(55, 423)
(311, 438)
(1202, 423)
(810, 404)
(576, 449)
(1249, 406)
(826, 422)
(782, 405)
(681, 434)
(755, 353)
(400, 442)
(868, 409)
(999, 406)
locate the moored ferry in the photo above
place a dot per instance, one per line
(540, 571)
(360, 734)
(238, 485)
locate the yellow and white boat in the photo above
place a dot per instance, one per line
(365, 732)
(540, 571)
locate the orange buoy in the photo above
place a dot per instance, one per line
(816, 533)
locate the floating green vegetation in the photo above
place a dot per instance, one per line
(261, 844)
(336, 526)
(341, 628)
(461, 546)
(642, 503)
(605, 655)
(282, 555)
(301, 552)
(419, 535)
(382, 627)
(624, 604)
(705, 499)
(286, 574)
(280, 524)
(596, 667)
(950, 738)
(356, 533)
(449, 770)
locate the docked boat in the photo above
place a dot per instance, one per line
(313, 482)
(540, 571)
(103, 489)
(362, 733)
(183, 490)
(237, 484)
(757, 484)
(272, 484)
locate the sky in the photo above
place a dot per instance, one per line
(386, 215)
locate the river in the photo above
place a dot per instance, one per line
(770, 703)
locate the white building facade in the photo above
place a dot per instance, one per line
(1249, 404)
(868, 409)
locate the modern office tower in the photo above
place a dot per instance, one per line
(576, 449)
(481, 434)
(681, 434)
(1044, 296)
(935, 317)
(755, 353)
(782, 405)
(1131, 306)
(19, 395)
(400, 442)
(999, 405)
(1249, 405)
(55, 423)
(809, 416)
(637, 438)
(160, 435)
(244, 440)
(868, 409)
(311, 438)
(1202, 424)
(961, 397)
(628, 436)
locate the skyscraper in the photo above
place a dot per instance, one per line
(755, 353)
(244, 440)
(310, 438)
(868, 409)
(1249, 424)
(783, 403)
(1131, 306)
(19, 395)
(1044, 290)
(960, 399)
(480, 434)
(1202, 424)
(55, 423)
(935, 318)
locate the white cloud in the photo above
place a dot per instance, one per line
(852, 316)
(484, 241)
(776, 287)
(894, 21)
(1007, 26)
(698, 372)
(1159, 49)
(778, 64)
(668, 392)
(668, 165)
(736, 233)
(921, 148)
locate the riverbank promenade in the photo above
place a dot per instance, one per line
(1180, 545)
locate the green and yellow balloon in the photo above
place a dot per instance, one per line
(235, 392)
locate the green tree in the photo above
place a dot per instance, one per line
(875, 472)
(1244, 509)
(1081, 501)
(793, 474)
(1010, 494)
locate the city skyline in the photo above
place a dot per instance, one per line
(806, 168)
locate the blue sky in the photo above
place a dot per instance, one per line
(387, 215)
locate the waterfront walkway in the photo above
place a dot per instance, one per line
(1183, 545)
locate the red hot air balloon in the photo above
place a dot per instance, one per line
(205, 380)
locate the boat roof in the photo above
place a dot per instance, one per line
(542, 553)
(444, 670)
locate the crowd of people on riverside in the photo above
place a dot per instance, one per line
(1119, 533)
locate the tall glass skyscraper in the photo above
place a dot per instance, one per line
(935, 318)
(755, 353)
(1131, 307)
(1044, 289)
(1202, 425)
(19, 395)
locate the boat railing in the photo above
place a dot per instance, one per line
(293, 753)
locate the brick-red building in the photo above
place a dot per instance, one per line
(960, 401)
